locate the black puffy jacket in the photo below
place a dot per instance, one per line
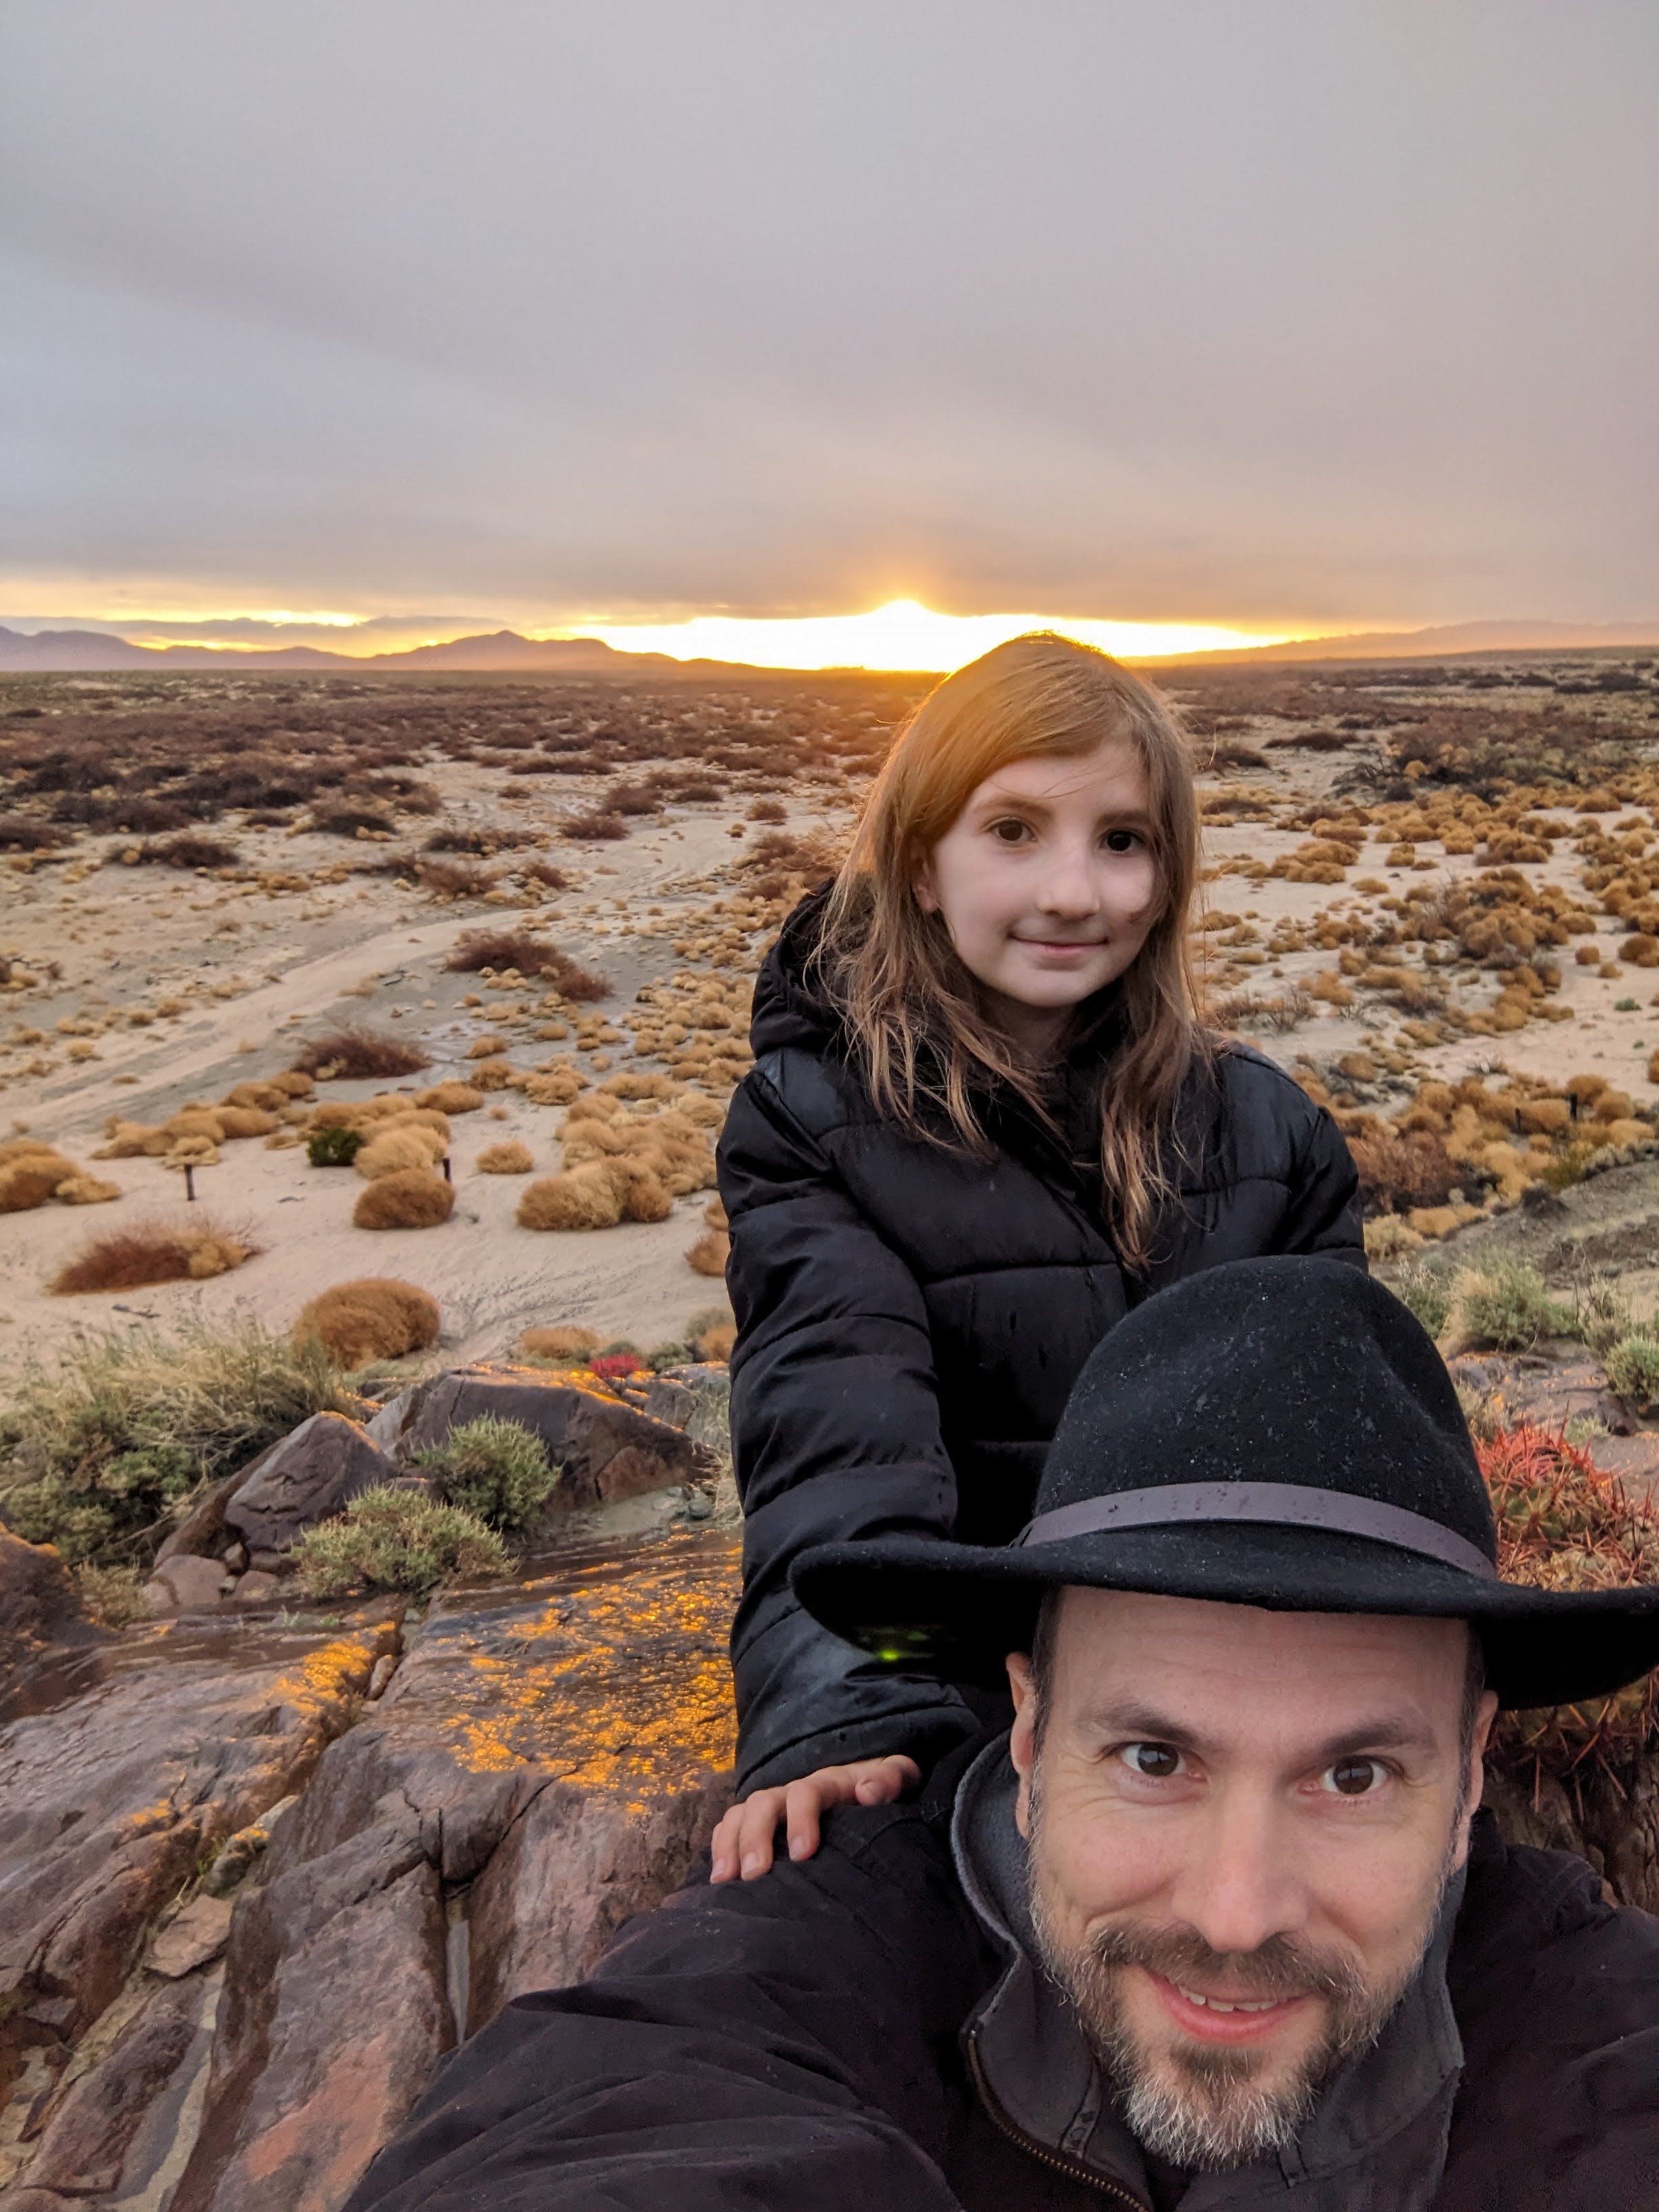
(911, 1319)
(796, 2043)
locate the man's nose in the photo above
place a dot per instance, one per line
(1238, 1883)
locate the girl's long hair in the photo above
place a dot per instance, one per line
(913, 1014)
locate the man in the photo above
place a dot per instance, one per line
(1216, 1925)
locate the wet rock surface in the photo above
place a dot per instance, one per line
(542, 1759)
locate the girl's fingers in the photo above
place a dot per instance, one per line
(760, 1815)
(804, 1801)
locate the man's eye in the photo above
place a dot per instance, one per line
(1011, 832)
(1157, 1762)
(1122, 841)
(1354, 1777)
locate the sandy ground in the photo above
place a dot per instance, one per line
(228, 977)
(253, 974)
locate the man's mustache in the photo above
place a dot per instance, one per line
(1280, 1968)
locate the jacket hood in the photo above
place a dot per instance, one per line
(1376, 2137)
(791, 1006)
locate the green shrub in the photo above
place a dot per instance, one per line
(495, 1469)
(395, 1539)
(336, 1146)
(1426, 1292)
(97, 1452)
(1503, 1307)
(1601, 1312)
(1632, 1367)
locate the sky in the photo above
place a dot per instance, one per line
(1257, 317)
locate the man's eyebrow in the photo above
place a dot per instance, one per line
(1135, 1723)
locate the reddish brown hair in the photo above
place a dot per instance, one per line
(915, 1015)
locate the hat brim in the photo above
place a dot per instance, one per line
(959, 1609)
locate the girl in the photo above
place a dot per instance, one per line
(984, 1120)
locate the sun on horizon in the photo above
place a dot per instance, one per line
(902, 635)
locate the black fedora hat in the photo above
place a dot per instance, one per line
(1273, 1432)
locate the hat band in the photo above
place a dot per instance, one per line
(1275, 1504)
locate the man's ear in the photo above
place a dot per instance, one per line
(1022, 1740)
(1476, 1778)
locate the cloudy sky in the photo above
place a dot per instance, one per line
(1284, 315)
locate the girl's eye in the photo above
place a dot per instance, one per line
(1353, 1777)
(1154, 1762)
(1011, 832)
(1122, 841)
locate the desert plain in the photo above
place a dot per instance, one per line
(1415, 874)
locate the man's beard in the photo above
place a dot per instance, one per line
(1203, 2108)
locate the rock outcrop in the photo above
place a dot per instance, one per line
(542, 1760)
(609, 1450)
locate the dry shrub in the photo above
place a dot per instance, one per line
(555, 1087)
(126, 1140)
(86, 1190)
(640, 1189)
(397, 1150)
(450, 1098)
(412, 1198)
(583, 1198)
(189, 852)
(156, 1252)
(246, 1121)
(1563, 1524)
(354, 1055)
(270, 1097)
(558, 1347)
(714, 1212)
(709, 1255)
(31, 1179)
(1399, 1173)
(599, 824)
(295, 1082)
(455, 879)
(714, 1343)
(500, 950)
(508, 1158)
(374, 1318)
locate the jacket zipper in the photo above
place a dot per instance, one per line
(1072, 2168)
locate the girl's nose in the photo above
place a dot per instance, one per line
(1069, 888)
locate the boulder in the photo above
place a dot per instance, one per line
(257, 1588)
(608, 1450)
(302, 1479)
(185, 1583)
(190, 1938)
(697, 1399)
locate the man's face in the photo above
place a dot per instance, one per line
(1241, 1826)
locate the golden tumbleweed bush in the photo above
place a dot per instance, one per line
(376, 1317)
(153, 1252)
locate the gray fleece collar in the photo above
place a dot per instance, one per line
(1376, 2143)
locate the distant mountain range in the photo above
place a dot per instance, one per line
(93, 651)
(89, 650)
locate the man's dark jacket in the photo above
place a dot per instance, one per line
(797, 2045)
(911, 1320)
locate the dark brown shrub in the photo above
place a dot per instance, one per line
(189, 852)
(607, 827)
(767, 810)
(345, 820)
(350, 1055)
(1397, 1173)
(544, 873)
(129, 1258)
(19, 833)
(454, 879)
(502, 949)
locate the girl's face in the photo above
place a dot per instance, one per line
(1046, 883)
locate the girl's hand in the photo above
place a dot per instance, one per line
(742, 1842)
